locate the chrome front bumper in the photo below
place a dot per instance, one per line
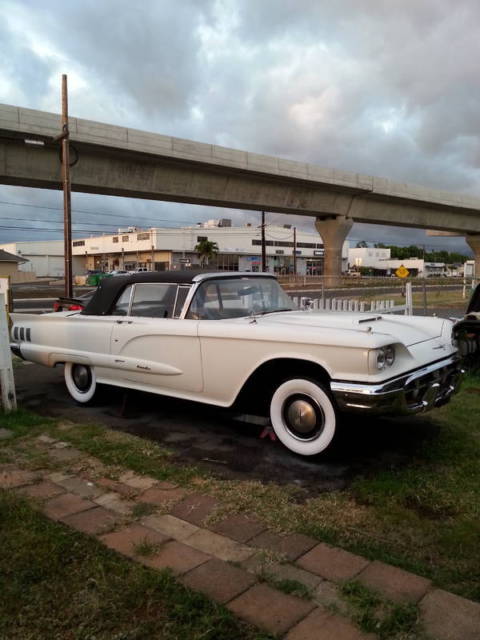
(422, 390)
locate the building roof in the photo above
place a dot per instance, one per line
(10, 257)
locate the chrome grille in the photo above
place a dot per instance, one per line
(445, 377)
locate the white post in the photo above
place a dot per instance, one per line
(408, 299)
(7, 382)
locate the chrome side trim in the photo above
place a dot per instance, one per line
(200, 277)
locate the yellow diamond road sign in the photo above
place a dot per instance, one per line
(402, 272)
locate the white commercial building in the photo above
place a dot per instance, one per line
(239, 248)
(45, 258)
(379, 259)
(469, 269)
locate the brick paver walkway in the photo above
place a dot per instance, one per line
(226, 560)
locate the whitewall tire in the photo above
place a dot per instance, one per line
(303, 416)
(81, 381)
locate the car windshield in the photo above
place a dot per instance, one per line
(224, 298)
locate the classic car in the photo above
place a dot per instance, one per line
(467, 331)
(237, 340)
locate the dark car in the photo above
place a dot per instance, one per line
(467, 331)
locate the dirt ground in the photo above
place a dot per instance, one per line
(212, 439)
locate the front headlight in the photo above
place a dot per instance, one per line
(385, 357)
(390, 355)
(381, 361)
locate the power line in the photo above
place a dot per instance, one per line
(102, 213)
(109, 231)
(97, 224)
(42, 230)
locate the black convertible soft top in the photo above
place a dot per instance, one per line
(110, 288)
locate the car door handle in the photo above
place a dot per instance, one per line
(124, 321)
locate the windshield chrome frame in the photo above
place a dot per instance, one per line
(233, 275)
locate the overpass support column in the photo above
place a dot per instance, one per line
(334, 231)
(473, 240)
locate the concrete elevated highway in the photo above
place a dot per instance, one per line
(119, 161)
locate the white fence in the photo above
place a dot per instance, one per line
(338, 304)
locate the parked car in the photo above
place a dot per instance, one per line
(94, 276)
(237, 339)
(72, 304)
(119, 272)
(467, 331)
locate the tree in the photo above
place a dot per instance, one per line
(206, 250)
(362, 244)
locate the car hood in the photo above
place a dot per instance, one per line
(406, 329)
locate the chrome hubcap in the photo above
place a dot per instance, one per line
(303, 417)
(82, 377)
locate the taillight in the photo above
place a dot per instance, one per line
(57, 306)
(75, 307)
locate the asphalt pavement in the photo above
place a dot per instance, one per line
(212, 439)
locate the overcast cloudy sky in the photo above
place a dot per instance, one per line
(383, 87)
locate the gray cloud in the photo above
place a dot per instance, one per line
(385, 88)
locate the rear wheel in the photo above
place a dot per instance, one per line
(81, 381)
(303, 416)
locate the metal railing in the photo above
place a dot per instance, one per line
(445, 296)
(356, 305)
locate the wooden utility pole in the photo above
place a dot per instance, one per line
(152, 260)
(264, 252)
(67, 203)
(294, 251)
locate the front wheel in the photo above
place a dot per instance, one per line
(81, 381)
(303, 416)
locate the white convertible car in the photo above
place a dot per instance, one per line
(237, 339)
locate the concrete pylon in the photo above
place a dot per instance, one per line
(334, 231)
(473, 241)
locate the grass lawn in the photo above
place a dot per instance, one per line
(58, 584)
(422, 514)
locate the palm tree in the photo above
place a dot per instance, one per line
(206, 250)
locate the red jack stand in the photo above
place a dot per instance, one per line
(268, 432)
